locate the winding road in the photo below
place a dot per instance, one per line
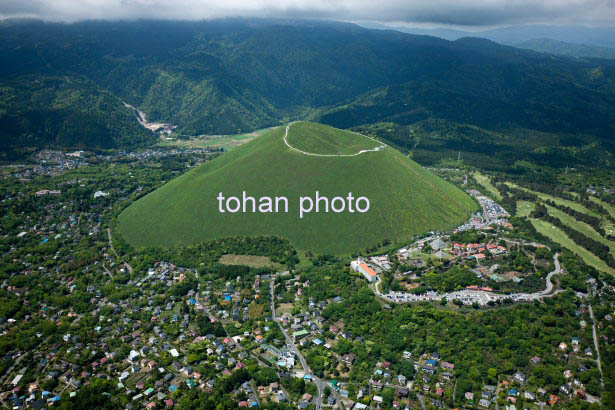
(363, 151)
(595, 335)
(517, 297)
(320, 384)
(126, 264)
(549, 289)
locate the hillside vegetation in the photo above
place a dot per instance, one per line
(236, 75)
(432, 141)
(65, 111)
(405, 198)
(566, 221)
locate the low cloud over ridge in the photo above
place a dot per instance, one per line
(439, 12)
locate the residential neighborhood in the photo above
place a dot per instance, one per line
(161, 330)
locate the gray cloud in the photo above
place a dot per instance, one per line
(445, 12)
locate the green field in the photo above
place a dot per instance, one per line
(580, 226)
(610, 208)
(560, 201)
(212, 141)
(607, 225)
(556, 235)
(524, 208)
(405, 199)
(485, 181)
(248, 260)
(312, 138)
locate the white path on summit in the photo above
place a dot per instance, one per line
(333, 155)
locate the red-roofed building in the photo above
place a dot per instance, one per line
(364, 269)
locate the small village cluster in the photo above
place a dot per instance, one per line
(55, 163)
(492, 215)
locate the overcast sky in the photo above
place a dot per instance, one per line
(472, 13)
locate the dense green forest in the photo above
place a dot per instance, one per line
(435, 142)
(68, 111)
(232, 75)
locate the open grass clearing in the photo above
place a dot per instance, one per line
(314, 139)
(485, 181)
(249, 260)
(284, 308)
(610, 208)
(558, 236)
(405, 199)
(212, 141)
(580, 226)
(560, 201)
(525, 208)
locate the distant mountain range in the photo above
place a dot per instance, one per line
(546, 45)
(574, 41)
(65, 84)
(596, 36)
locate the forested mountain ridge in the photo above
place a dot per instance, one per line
(547, 45)
(232, 75)
(68, 111)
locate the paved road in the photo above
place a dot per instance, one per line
(115, 253)
(379, 148)
(421, 400)
(239, 346)
(107, 271)
(595, 334)
(555, 271)
(320, 384)
(477, 296)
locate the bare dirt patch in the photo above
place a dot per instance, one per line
(284, 308)
(512, 274)
(411, 286)
(248, 260)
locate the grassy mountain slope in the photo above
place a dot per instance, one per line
(316, 139)
(405, 198)
(67, 111)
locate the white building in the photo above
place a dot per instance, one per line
(99, 194)
(364, 269)
(438, 244)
